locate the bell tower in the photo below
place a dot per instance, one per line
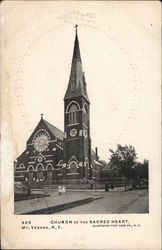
(77, 143)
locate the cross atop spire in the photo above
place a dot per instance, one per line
(76, 26)
(41, 116)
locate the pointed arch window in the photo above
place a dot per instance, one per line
(49, 172)
(85, 108)
(73, 114)
(40, 172)
(73, 167)
(30, 173)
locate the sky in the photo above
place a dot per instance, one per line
(120, 51)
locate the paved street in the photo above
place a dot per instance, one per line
(54, 199)
(135, 201)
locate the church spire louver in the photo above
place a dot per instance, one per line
(76, 86)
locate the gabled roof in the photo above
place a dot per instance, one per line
(97, 163)
(93, 154)
(22, 155)
(109, 167)
(55, 131)
(43, 124)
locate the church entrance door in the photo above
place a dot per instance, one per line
(49, 173)
(30, 174)
(40, 172)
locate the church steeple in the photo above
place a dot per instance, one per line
(76, 52)
(76, 86)
(77, 142)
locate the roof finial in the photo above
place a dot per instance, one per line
(76, 26)
(41, 116)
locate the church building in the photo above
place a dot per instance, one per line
(63, 157)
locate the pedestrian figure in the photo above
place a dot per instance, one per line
(63, 189)
(106, 187)
(59, 190)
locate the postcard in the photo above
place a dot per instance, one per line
(80, 125)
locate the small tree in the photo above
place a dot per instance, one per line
(124, 158)
(142, 169)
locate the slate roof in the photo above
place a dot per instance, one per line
(55, 131)
(93, 154)
(23, 155)
(97, 163)
(109, 167)
(94, 160)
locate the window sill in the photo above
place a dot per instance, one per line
(72, 173)
(73, 124)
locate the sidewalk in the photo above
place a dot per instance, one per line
(50, 190)
(53, 203)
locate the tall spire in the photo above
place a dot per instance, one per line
(76, 52)
(77, 85)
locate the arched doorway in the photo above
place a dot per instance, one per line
(49, 172)
(73, 167)
(30, 173)
(40, 172)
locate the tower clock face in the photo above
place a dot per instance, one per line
(41, 142)
(73, 132)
